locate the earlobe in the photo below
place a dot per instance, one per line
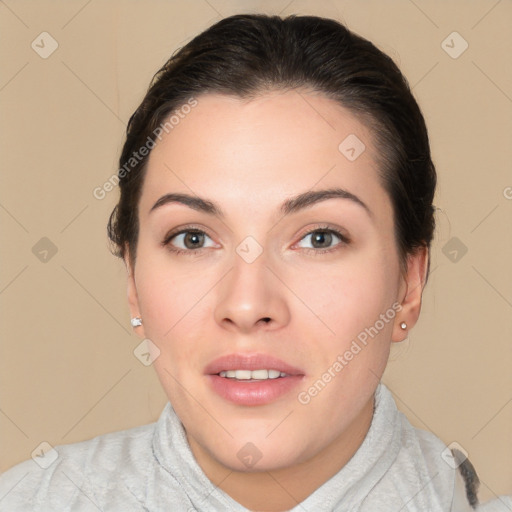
(133, 300)
(413, 282)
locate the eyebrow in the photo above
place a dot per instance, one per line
(291, 205)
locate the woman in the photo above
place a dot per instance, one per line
(275, 220)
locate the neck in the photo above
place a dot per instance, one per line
(282, 489)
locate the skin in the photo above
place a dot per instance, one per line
(249, 157)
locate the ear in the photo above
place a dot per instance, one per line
(133, 298)
(411, 289)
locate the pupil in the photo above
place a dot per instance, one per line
(322, 236)
(194, 238)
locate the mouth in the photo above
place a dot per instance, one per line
(250, 380)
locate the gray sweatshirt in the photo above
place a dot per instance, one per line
(151, 468)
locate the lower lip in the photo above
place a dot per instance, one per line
(253, 392)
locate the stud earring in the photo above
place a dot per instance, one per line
(136, 322)
(403, 325)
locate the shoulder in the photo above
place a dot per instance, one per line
(465, 479)
(424, 472)
(75, 473)
(450, 471)
(431, 468)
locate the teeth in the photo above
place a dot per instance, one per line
(243, 374)
(258, 374)
(252, 375)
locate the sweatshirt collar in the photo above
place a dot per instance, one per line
(349, 486)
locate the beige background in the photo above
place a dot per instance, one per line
(68, 371)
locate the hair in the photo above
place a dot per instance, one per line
(248, 55)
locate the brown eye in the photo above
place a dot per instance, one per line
(187, 240)
(193, 240)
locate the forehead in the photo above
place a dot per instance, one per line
(249, 155)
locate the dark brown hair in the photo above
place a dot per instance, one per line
(246, 55)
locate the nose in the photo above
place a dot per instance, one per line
(251, 297)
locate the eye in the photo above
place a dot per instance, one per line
(192, 240)
(187, 240)
(322, 239)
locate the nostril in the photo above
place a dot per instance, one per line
(266, 319)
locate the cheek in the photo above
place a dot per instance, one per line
(172, 306)
(166, 290)
(174, 321)
(350, 357)
(348, 296)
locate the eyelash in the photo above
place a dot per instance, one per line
(196, 252)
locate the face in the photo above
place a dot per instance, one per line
(252, 278)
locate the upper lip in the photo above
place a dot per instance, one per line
(250, 362)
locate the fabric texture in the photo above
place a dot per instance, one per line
(151, 468)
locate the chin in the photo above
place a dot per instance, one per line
(260, 454)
